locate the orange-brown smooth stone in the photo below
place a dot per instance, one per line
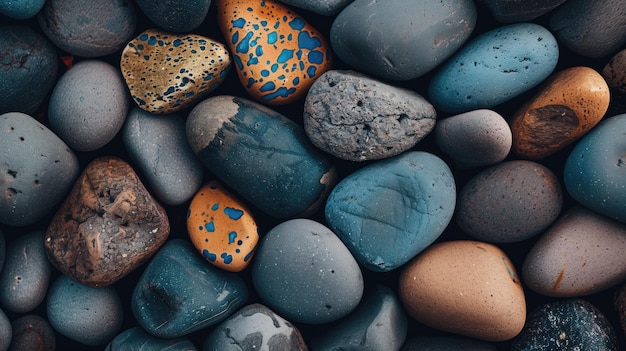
(569, 104)
(465, 287)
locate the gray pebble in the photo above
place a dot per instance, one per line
(138, 339)
(474, 139)
(91, 316)
(255, 327)
(25, 277)
(32, 333)
(322, 7)
(158, 145)
(88, 105)
(3, 250)
(446, 343)
(6, 331)
(37, 169)
(357, 118)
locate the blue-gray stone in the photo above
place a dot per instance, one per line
(32, 333)
(179, 292)
(264, 156)
(509, 11)
(446, 343)
(389, 211)
(379, 323)
(26, 274)
(321, 7)
(3, 250)
(88, 105)
(400, 40)
(137, 339)
(6, 331)
(88, 28)
(91, 316)
(21, 9)
(595, 173)
(37, 170)
(174, 15)
(303, 272)
(494, 67)
(569, 324)
(255, 327)
(157, 144)
(29, 69)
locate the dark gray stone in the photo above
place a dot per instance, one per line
(29, 69)
(446, 343)
(32, 333)
(322, 7)
(3, 250)
(174, 15)
(158, 145)
(357, 118)
(137, 339)
(26, 274)
(6, 331)
(401, 40)
(509, 11)
(37, 173)
(255, 327)
(301, 248)
(22, 9)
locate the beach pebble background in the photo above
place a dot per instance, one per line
(312, 175)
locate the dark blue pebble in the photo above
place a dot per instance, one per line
(21, 9)
(174, 15)
(137, 339)
(446, 343)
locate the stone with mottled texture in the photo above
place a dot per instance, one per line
(137, 339)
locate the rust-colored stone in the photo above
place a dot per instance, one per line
(570, 103)
(108, 225)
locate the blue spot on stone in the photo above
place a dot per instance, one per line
(253, 60)
(249, 9)
(239, 242)
(305, 41)
(238, 62)
(285, 18)
(140, 47)
(280, 92)
(311, 71)
(290, 37)
(215, 207)
(235, 38)
(209, 255)
(233, 213)
(228, 259)
(244, 44)
(160, 42)
(200, 228)
(143, 37)
(210, 226)
(193, 51)
(188, 212)
(264, 23)
(139, 101)
(301, 66)
(231, 237)
(269, 86)
(296, 81)
(213, 186)
(265, 73)
(272, 37)
(277, 25)
(297, 23)
(237, 250)
(274, 67)
(284, 56)
(152, 40)
(316, 57)
(224, 73)
(282, 76)
(189, 94)
(177, 43)
(184, 82)
(208, 77)
(251, 82)
(255, 26)
(247, 257)
(239, 23)
(259, 50)
(299, 54)
(146, 57)
(169, 91)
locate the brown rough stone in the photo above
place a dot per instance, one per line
(108, 225)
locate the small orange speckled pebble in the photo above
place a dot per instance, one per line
(570, 103)
(277, 54)
(166, 72)
(222, 228)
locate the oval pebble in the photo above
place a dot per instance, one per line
(88, 105)
(446, 343)
(494, 67)
(304, 248)
(158, 146)
(175, 16)
(465, 287)
(33, 333)
(396, 40)
(569, 324)
(6, 331)
(474, 139)
(166, 72)
(29, 68)
(379, 323)
(354, 117)
(277, 53)
(90, 316)
(568, 105)
(21, 9)
(509, 11)
(261, 154)
(26, 274)
(168, 304)
(614, 73)
(389, 211)
(509, 202)
(79, 27)
(137, 339)
(594, 170)
(321, 7)
(254, 327)
(38, 172)
(580, 254)
(590, 29)
(222, 228)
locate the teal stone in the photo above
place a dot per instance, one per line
(389, 211)
(595, 170)
(262, 155)
(180, 293)
(137, 339)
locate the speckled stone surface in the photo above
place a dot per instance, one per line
(509, 202)
(277, 53)
(38, 172)
(33, 333)
(305, 248)
(446, 343)
(179, 292)
(262, 155)
(167, 72)
(619, 303)
(91, 316)
(22, 9)
(107, 226)
(570, 324)
(174, 15)
(137, 339)
(508, 11)
(26, 274)
(255, 327)
(355, 117)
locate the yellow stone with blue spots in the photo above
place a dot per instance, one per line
(222, 228)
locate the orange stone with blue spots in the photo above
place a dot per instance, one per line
(222, 228)
(277, 54)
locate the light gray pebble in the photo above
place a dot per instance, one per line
(358, 118)
(25, 277)
(158, 145)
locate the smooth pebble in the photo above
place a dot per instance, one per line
(21, 9)
(446, 343)
(614, 73)
(138, 339)
(32, 332)
(509, 11)
(321, 7)
(175, 16)
(6, 331)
